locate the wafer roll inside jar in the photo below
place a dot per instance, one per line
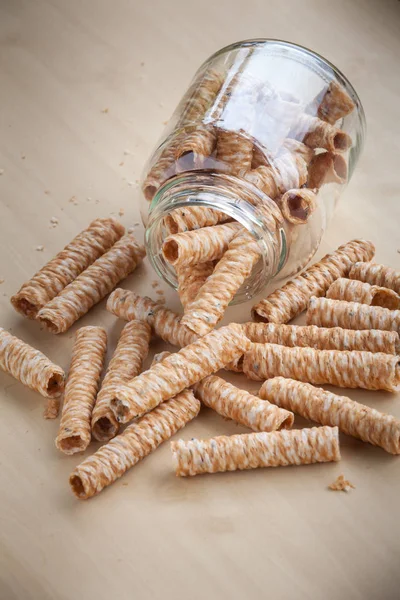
(260, 118)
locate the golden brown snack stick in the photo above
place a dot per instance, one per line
(191, 279)
(229, 273)
(83, 380)
(333, 338)
(92, 285)
(193, 217)
(200, 245)
(353, 290)
(287, 172)
(326, 408)
(200, 96)
(324, 312)
(376, 274)
(315, 133)
(163, 168)
(138, 440)
(298, 205)
(30, 366)
(254, 450)
(234, 151)
(240, 406)
(178, 372)
(166, 324)
(77, 256)
(327, 167)
(126, 363)
(335, 104)
(352, 369)
(199, 144)
(289, 301)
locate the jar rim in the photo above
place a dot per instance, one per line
(301, 49)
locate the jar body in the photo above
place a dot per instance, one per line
(268, 134)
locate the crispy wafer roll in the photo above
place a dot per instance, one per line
(354, 369)
(200, 245)
(178, 372)
(351, 315)
(230, 272)
(80, 392)
(30, 366)
(191, 279)
(315, 133)
(357, 291)
(333, 338)
(193, 217)
(326, 408)
(92, 285)
(138, 440)
(132, 349)
(166, 324)
(254, 450)
(240, 406)
(201, 95)
(234, 151)
(376, 275)
(289, 301)
(298, 205)
(327, 167)
(335, 104)
(199, 144)
(77, 256)
(163, 168)
(52, 408)
(288, 171)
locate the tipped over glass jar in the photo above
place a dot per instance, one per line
(267, 135)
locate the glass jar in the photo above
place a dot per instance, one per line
(268, 134)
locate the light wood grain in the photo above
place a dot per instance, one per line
(276, 533)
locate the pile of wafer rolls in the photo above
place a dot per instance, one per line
(351, 340)
(240, 126)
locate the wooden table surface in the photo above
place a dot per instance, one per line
(272, 533)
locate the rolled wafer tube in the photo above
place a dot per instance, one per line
(335, 103)
(191, 279)
(327, 167)
(315, 133)
(288, 171)
(351, 369)
(200, 245)
(254, 450)
(201, 95)
(138, 440)
(333, 338)
(166, 324)
(178, 372)
(92, 285)
(353, 290)
(52, 408)
(193, 217)
(230, 272)
(289, 301)
(83, 380)
(240, 406)
(234, 151)
(77, 256)
(199, 143)
(323, 407)
(126, 363)
(298, 205)
(376, 274)
(351, 315)
(30, 366)
(163, 168)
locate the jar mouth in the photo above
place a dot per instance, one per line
(221, 193)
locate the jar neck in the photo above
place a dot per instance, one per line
(238, 200)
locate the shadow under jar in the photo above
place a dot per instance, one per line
(268, 134)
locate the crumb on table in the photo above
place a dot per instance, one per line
(341, 485)
(39, 248)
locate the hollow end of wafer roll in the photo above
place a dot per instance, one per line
(49, 324)
(104, 429)
(386, 299)
(71, 444)
(78, 487)
(170, 250)
(24, 306)
(298, 205)
(55, 385)
(341, 141)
